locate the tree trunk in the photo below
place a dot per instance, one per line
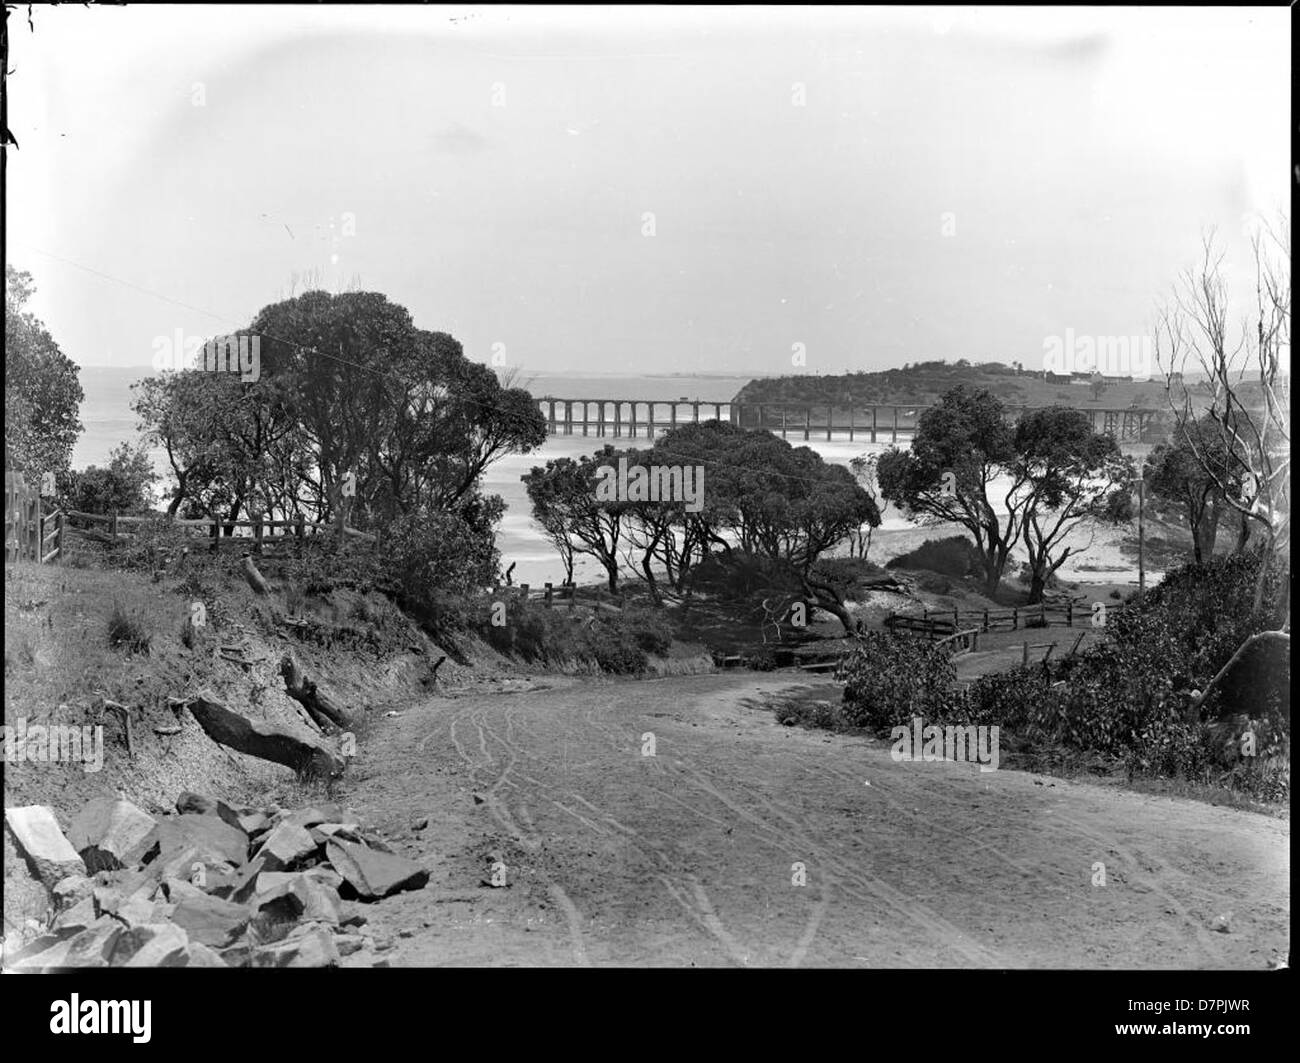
(328, 713)
(1037, 584)
(824, 596)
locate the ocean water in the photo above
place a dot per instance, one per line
(108, 421)
(106, 414)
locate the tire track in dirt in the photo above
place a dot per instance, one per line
(701, 911)
(796, 839)
(500, 814)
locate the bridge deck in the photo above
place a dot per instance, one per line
(874, 423)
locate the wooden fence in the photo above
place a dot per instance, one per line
(31, 534)
(219, 531)
(548, 594)
(942, 625)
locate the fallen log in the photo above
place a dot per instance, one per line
(263, 740)
(328, 713)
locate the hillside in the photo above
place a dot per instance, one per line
(925, 382)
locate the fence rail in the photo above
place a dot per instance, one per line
(941, 625)
(222, 531)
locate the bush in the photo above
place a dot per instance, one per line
(125, 485)
(954, 556)
(891, 678)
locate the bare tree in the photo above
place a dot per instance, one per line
(1248, 395)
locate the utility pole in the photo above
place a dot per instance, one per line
(1142, 572)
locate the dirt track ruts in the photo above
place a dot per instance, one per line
(687, 857)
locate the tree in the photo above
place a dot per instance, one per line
(564, 502)
(780, 503)
(864, 471)
(1246, 372)
(1176, 478)
(961, 446)
(125, 485)
(42, 392)
(357, 417)
(1068, 474)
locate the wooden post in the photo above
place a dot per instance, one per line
(782, 422)
(1069, 613)
(552, 422)
(895, 424)
(618, 419)
(986, 619)
(62, 521)
(650, 420)
(696, 412)
(548, 596)
(956, 621)
(584, 417)
(830, 420)
(672, 410)
(215, 533)
(1015, 618)
(717, 411)
(112, 525)
(1025, 657)
(523, 592)
(257, 534)
(807, 422)
(852, 418)
(40, 534)
(632, 427)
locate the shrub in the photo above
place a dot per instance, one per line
(954, 556)
(891, 678)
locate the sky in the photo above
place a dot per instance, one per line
(634, 189)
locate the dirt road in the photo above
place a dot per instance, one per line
(691, 856)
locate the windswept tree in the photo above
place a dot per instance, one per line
(1033, 482)
(961, 447)
(1066, 474)
(563, 496)
(782, 504)
(357, 417)
(42, 393)
(864, 469)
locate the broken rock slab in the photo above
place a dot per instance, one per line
(215, 840)
(94, 946)
(372, 874)
(206, 919)
(110, 832)
(72, 890)
(199, 955)
(303, 896)
(287, 846)
(199, 805)
(38, 837)
(156, 945)
(314, 948)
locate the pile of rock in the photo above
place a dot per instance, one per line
(211, 886)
